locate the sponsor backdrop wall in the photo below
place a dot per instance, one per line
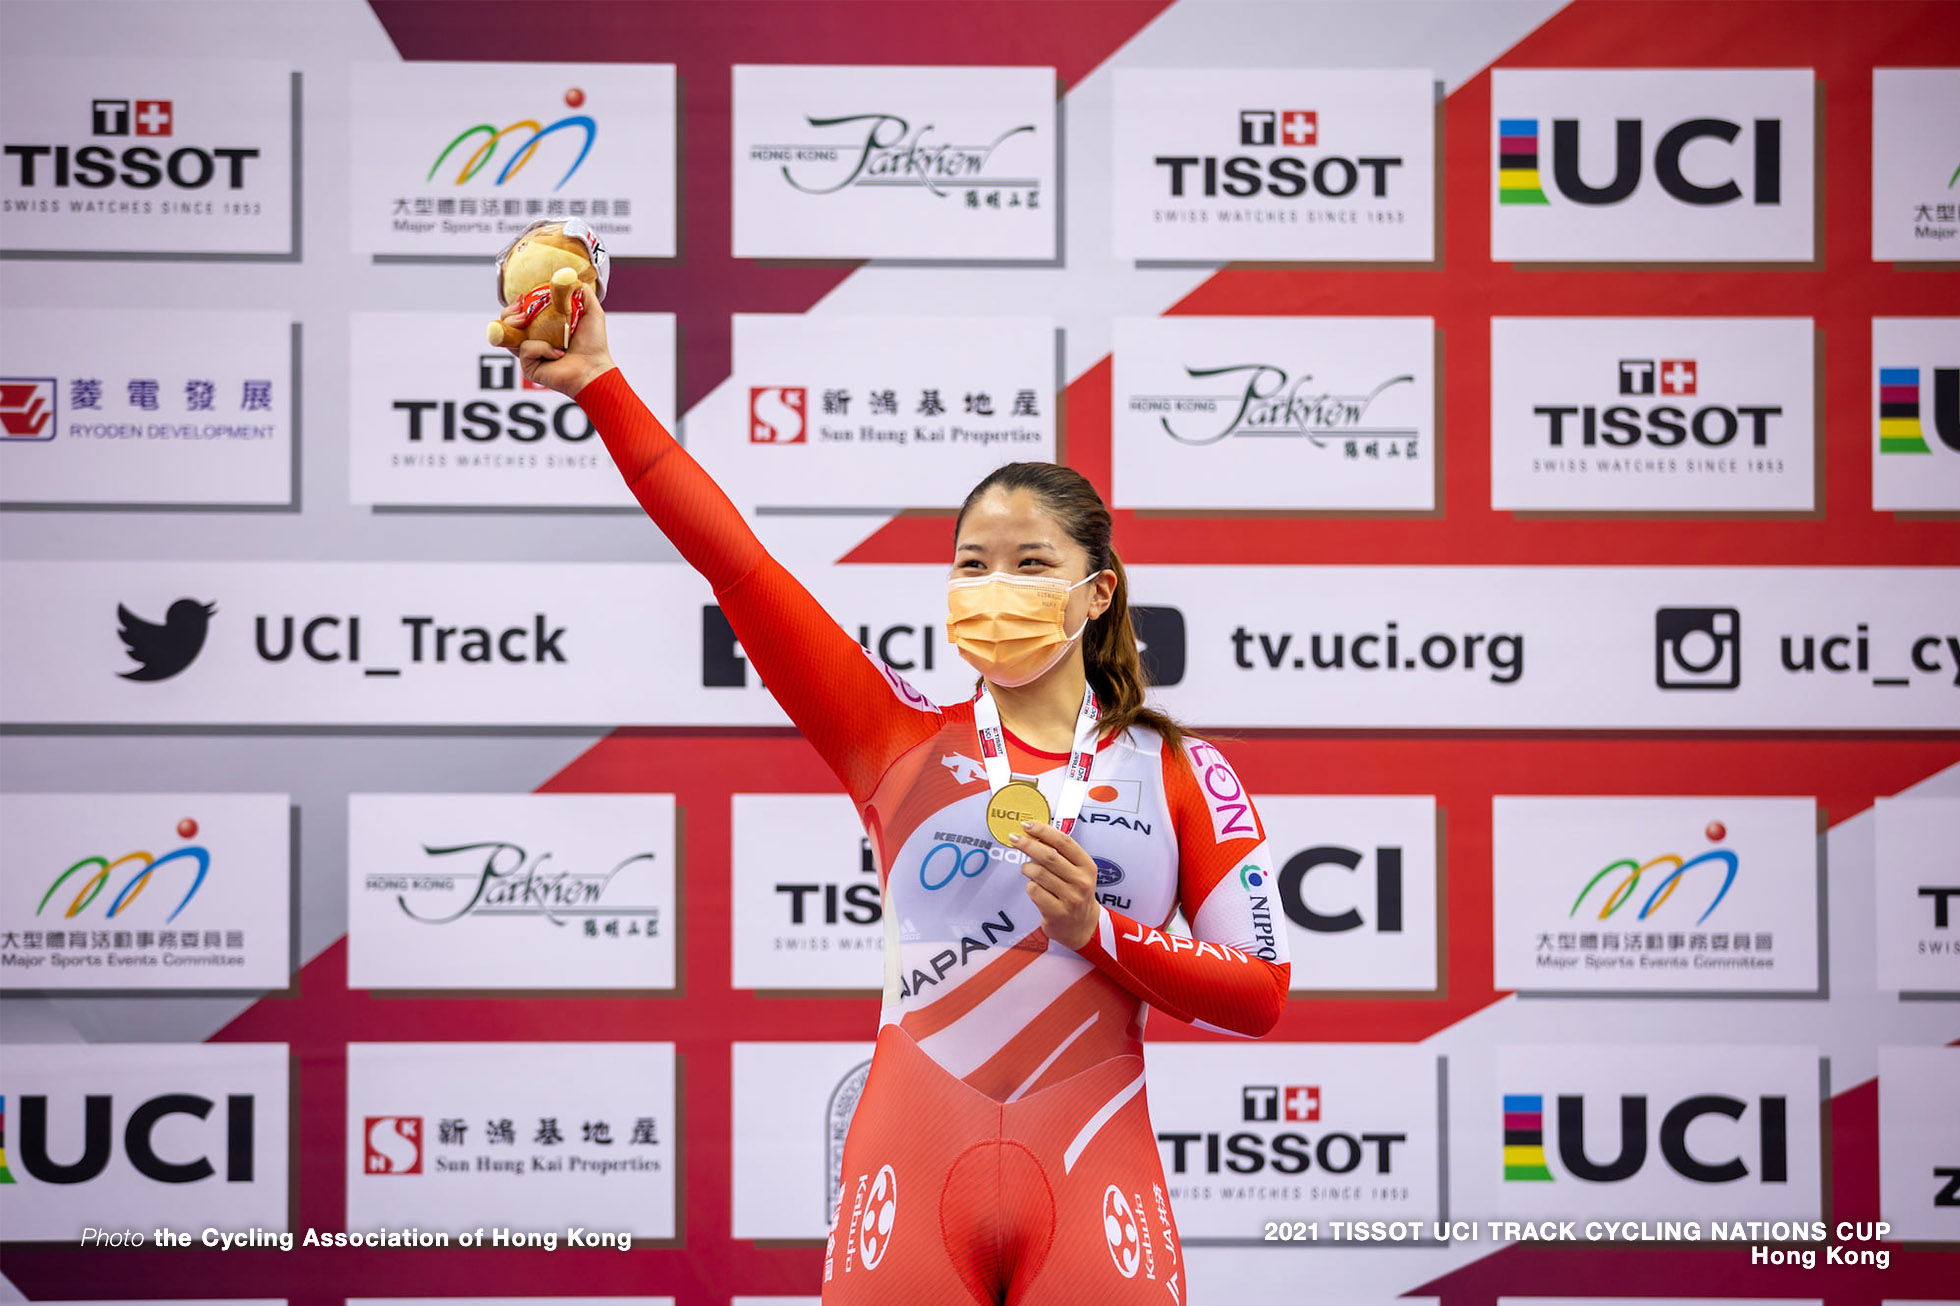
(1534, 430)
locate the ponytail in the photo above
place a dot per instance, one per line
(1115, 668)
(1110, 658)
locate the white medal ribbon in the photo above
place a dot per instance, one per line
(1082, 750)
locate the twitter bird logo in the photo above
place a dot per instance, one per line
(164, 650)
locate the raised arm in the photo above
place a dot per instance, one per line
(1231, 973)
(856, 712)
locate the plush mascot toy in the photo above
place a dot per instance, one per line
(545, 274)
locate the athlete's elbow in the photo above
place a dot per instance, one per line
(1272, 1004)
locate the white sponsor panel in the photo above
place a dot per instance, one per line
(807, 901)
(1919, 1143)
(440, 417)
(1916, 413)
(881, 412)
(837, 161)
(1668, 165)
(453, 159)
(1274, 412)
(1275, 164)
(510, 891)
(142, 406)
(1652, 414)
(450, 1137)
(1655, 895)
(1918, 887)
(1356, 878)
(1302, 1131)
(792, 1108)
(544, 643)
(184, 157)
(1915, 208)
(1620, 1131)
(1267, 1276)
(145, 891)
(143, 1135)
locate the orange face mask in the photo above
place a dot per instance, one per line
(1012, 629)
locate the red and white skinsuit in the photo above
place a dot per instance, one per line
(1002, 1148)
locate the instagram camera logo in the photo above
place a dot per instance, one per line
(776, 414)
(393, 1145)
(1697, 648)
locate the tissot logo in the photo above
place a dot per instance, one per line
(1665, 426)
(1274, 164)
(857, 901)
(1527, 1121)
(140, 167)
(1660, 414)
(443, 421)
(1286, 1152)
(1646, 164)
(1941, 897)
(1280, 175)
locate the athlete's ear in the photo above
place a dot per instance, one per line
(1102, 593)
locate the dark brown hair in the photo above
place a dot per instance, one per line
(1109, 646)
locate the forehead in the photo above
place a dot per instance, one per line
(1011, 518)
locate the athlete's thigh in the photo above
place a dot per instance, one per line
(886, 1247)
(1115, 1238)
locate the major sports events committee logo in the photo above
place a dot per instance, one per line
(489, 142)
(1722, 862)
(1901, 418)
(27, 408)
(143, 866)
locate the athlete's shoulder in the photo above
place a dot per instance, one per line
(1215, 784)
(901, 688)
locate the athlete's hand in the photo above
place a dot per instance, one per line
(1061, 883)
(565, 370)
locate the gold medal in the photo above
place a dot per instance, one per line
(1012, 804)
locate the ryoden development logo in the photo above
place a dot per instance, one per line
(1901, 428)
(490, 145)
(27, 408)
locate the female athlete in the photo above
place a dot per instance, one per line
(1033, 843)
